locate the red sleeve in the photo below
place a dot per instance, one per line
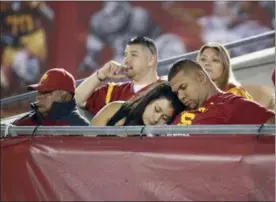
(249, 112)
(97, 100)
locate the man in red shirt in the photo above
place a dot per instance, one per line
(140, 64)
(208, 104)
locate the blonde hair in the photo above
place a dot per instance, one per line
(227, 75)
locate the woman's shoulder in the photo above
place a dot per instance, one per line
(102, 117)
(237, 90)
(113, 108)
(115, 104)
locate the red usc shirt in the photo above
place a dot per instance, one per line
(112, 92)
(225, 108)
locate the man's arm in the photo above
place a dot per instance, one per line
(85, 89)
(250, 112)
(110, 70)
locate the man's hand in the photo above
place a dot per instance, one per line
(112, 70)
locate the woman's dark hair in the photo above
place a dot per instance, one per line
(133, 109)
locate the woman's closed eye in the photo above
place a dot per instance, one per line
(202, 59)
(166, 118)
(183, 87)
(157, 109)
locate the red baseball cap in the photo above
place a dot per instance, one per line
(273, 76)
(55, 79)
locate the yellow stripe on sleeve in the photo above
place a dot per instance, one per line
(240, 92)
(109, 92)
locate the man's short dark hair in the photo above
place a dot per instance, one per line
(144, 41)
(184, 65)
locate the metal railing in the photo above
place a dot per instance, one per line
(165, 130)
(234, 44)
(267, 35)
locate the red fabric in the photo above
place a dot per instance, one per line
(122, 91)
(228, 168)
(55, 79)
(226, 108)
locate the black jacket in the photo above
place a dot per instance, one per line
(64, 113)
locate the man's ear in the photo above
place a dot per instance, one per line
(65, 96)
(201, 76)
(152, 59)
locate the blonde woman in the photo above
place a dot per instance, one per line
(215, 59)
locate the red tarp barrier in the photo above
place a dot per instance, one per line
(236, 168)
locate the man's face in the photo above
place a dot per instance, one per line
(189, 88)
(45, 100)
(138, 60)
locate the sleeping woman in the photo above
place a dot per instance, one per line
(157, 106)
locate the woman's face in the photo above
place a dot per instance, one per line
(212, 63)
(158, 112)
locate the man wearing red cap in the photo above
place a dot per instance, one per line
(55, 103)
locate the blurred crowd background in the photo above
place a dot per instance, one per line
(81, 36)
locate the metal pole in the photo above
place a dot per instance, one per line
(139, 130)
